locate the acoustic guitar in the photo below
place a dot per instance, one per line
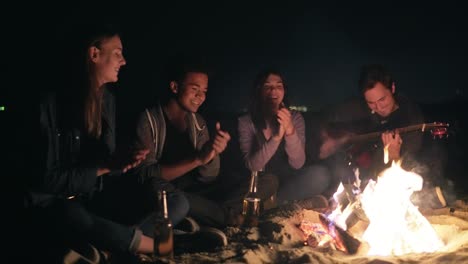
(437, 129)
(350, 141)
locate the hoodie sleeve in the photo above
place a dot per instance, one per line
(150, 167)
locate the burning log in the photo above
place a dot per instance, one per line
(316, 235)
(325, 233)
(343, 240)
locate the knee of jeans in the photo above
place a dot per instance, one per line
(317, 170)
(344, 174)
(178, 206)
(270, 181)
(77, 216)
(318, 175)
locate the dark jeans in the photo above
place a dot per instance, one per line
(112, 220)
(304, 183)
(130, 202)
(71, 221)
(212, 204)
(177, 204)
(64, 224)
(434, 159)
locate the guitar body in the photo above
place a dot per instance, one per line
(361, 155)
(365, 151)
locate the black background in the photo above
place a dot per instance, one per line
(319, 47)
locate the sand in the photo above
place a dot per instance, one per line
(278, 239)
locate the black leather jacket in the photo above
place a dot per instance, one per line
(66, 159)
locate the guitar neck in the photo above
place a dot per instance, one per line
(375, 135)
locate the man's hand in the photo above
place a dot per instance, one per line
(215, 146)
(393, 140)
(221, 139)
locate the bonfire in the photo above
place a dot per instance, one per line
(378, 225)
(393, 224)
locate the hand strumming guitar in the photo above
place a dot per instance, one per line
(331, 144)
(393, 141)
(333, 138)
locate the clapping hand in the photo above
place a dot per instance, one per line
(214, 147)
(125, 161)
(285, 121)
(135, 159)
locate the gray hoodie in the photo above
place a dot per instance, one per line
(151, 134)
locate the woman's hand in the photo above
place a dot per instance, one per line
(124, 161)
(285, 121)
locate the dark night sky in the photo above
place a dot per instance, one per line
(319, 47)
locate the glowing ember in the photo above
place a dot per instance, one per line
(316, 235)
(396, 226)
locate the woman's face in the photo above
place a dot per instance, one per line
(273, 91)
(191, 93)
(108, 59)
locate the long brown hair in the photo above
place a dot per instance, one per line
(92, 95)
(92, 109)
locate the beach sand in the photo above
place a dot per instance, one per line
(278, 239)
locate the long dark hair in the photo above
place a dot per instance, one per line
(88, 106)
(256, 107)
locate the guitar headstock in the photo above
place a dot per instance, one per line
(438, 129)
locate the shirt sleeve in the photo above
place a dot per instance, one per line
(295, 143)
(150, 167)
(256, 154)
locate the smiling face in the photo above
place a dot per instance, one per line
(380, 99)
(191, 92)
(273, 91)
(107, 60)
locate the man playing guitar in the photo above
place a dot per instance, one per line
(382, 112)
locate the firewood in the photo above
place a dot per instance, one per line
(344, 241)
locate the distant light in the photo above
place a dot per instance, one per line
(2, 108)
(299, 108)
